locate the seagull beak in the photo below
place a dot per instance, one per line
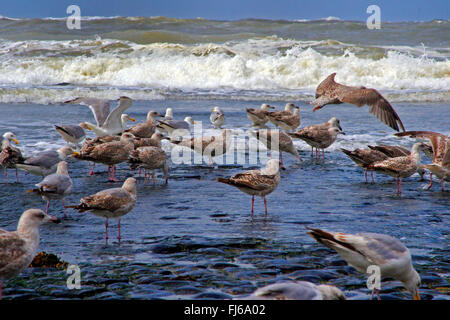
(132, 119)
(271, 107)
(15, 140)
(54, 219)
(317, 108)
(283, 168)
(195, 122)
(339, 127)
(416, 296)
(342, 132)
(75, 154)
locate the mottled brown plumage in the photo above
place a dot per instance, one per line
(146, 129)
(317, 138)
(289, 119)
(441, 153)
(154, 141)
(259, 117)
(257, 182)
(277, 140)
(110, 203)
(149, 158)
(331, 92)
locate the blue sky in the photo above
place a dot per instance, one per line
(391, 10)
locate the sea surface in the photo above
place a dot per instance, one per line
(196, 238)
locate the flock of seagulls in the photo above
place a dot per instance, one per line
(140, 147)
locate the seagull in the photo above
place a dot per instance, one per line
(289, 119)
(18, 248)
(147, 128)
(259, 117)
(211, 147)
(45, 162)
(397, 151)
(149, 158)
(331, 92)
(257, 182)
(317, 138)
(332, 123)
(400, 167)
(154, 141)
(71, 133)
(9, 155)
(298, 290)
(217, 118)
(441, 154)
(169, 114)
(276, 140)
(180, 127)
(55, 186)
(110, 203)
(366, 249)
(100, 108)
(364, 157)
(109, 153)
(115, 122)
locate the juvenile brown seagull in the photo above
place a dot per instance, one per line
(9, 155)
(257, 182)
(110, 203)
(331, 92)
(441, 154)
(289, 119)
(400, 167)
(147, 128)
(362, 250)
(18, 248)
(259, 117)
(317, 138)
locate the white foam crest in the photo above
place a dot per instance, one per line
(248, 65)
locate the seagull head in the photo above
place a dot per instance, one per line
(33, 218)
(10, 137)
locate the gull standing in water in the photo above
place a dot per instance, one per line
(181, 127)
(18, 248)
(149, 158)
(9, 155)
(217, 118)
(55, 186)
(318, 138)
(400, 167)
(289, 119)
(147, 128)
(331, 92)
(364, 157)
(259, 117)
(109, 153)
(373, 249)
(257, 182)
(110, 203)
(297, 290)
(71, 133)
(276, 140)
(45, 162)
(441, 154)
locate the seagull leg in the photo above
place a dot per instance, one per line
(431, 181)
(253, 202)
(139, 172)
(106, 230)
(323, 154)
(113, 170)
(312, 152)
(265, 204)
(371, 174)
(91, 172)
(48, 205)
(153, 178)
(365, 174)
(17, 175)
(442, 184)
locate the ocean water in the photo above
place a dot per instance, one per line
(196, 238)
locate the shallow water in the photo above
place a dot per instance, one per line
(196, 238)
